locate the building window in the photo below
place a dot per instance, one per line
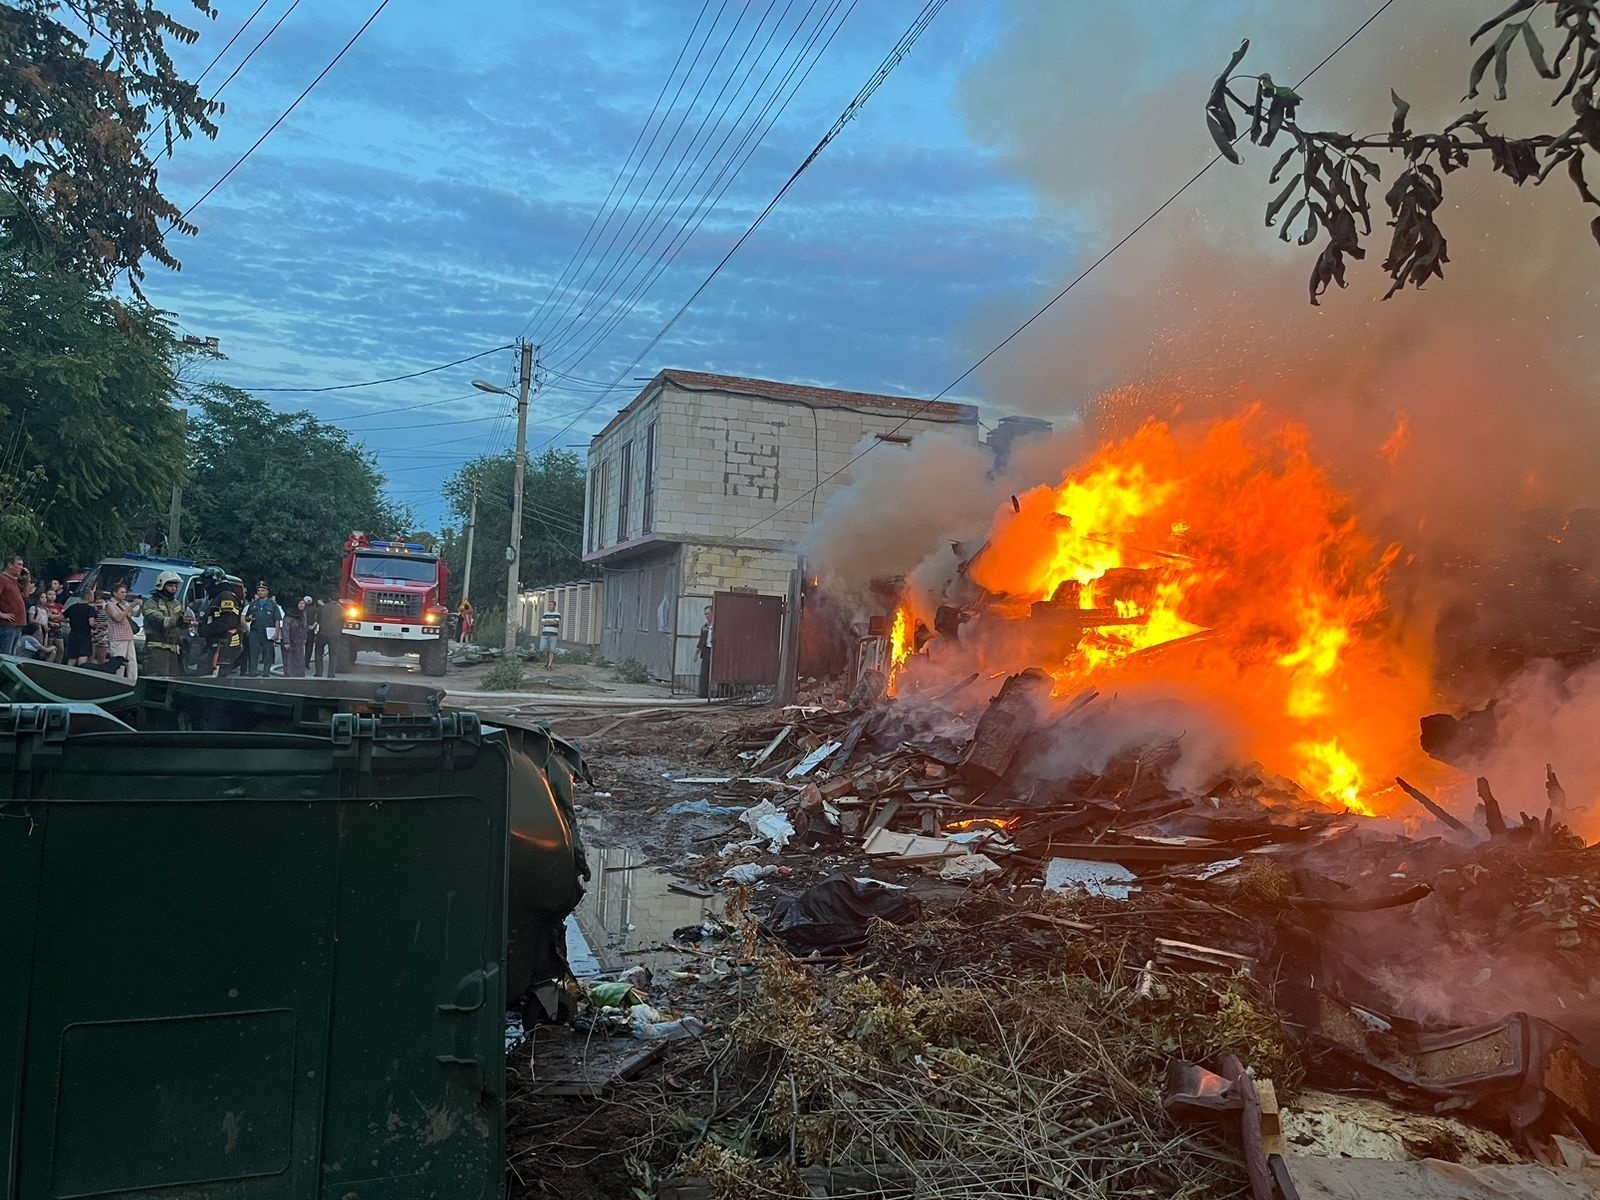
(648, 523)
(594, 508)
(625, 491)
(601, 503)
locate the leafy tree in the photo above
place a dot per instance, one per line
(552, 515)
(83, 86)
(88, 430)
(1326, 189)
(274, 495)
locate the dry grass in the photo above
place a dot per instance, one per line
(980, 1085)
(950, 1057)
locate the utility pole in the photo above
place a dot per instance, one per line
(472, 528)
(174, 519)
(175, 508)
(514, 549)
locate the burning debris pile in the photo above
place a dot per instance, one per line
(1081, 922)
(1213, 560)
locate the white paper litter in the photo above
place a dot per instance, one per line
(768, 821)
(749, 872)
(1109, 879)
(969, 868)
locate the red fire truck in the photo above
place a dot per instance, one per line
(392, 596)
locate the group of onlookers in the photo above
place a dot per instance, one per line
(38, 620)
(213, 634)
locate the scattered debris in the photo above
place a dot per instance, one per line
(969, 868)
(832, 916)
(1108, 879)
(767, 821)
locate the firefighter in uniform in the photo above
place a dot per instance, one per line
(163, 628)
(225, 631)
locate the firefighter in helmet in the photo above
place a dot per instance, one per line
(225, 633)
(163, 628)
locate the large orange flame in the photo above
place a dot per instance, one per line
(1221, 557)
(899, 643)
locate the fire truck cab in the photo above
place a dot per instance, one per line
(392, 597)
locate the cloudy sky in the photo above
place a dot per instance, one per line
(423, 202)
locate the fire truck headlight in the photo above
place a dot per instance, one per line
(352, 611)
(431, 618)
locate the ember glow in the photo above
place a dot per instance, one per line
(1219, 557)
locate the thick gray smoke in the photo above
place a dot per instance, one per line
(1461, 419)
(936, 489)
(1099, 109)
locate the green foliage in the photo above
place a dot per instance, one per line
(83, 85)
(504, 676)
(631, 670)
(274, 495)
(552, 513)
(1329, 188)
(88, 431)
(575, 658)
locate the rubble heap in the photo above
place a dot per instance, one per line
(1113, 955)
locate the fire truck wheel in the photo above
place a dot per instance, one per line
(344, 655)
(433, 658)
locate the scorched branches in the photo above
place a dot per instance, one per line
(1326, 175)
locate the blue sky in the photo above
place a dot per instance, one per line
(420, 204)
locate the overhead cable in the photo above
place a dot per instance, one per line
(1077, 279)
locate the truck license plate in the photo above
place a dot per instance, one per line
(389, 631)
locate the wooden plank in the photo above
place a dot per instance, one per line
(778, 739)
(567, 1063)
(1005, 725)
(1491, 809)
(1432, 807)
(847, 745)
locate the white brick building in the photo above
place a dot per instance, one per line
(705, 483)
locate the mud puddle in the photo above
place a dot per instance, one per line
(629, 913)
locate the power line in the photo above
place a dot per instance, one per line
(593, 307)
(382, 4)
(384, 412)
(895, 56)
(251, 53)
(434, 424)
(200, 78)
(711, 196)
(656, 107)
(1077, 279)
(345, 387)
(665, 151)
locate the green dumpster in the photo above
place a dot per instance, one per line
(28, 681)
(252, 964)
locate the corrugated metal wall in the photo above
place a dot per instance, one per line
(640, 611)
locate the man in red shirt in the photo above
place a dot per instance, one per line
(13, 612)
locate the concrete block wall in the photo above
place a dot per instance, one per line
(705, 570)
(729, 460)
(605, 455)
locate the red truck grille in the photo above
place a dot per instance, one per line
(392, 605)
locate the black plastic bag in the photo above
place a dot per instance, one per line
(831, 917)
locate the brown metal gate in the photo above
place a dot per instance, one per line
(747, 647)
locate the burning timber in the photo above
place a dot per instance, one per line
(1004, 956)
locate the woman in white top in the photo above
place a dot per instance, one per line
(120, 612)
